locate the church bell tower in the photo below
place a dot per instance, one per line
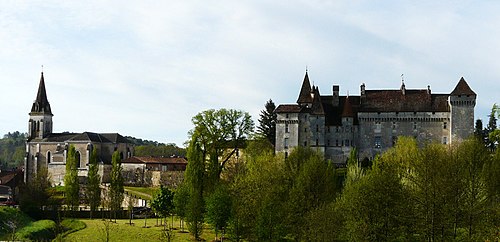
(40, 123)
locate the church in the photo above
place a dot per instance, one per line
(372, 121)
(48, 150)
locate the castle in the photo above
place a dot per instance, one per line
(372, 121)
(45, 149)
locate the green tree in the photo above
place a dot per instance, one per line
(35, 194)
(218, 208)
(93, 191)
(71, 182)
(116, 187)
(492, 126)
(181, 199)
(267, 122)
(194, 179)
(216, 131)
(163, 203)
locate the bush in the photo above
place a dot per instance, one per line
(39, 230)
(10, 217)
(71, 225)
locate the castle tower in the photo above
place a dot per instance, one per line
(40, 123)
(306, 93)
(462, 101)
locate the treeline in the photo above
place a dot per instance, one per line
(410, 193)
(12, 149)
(155, 148)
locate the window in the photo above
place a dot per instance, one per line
(287, 115)
(164, 168)
(286, 143)
(337, 142)
(394, 125)
(378, 126)
(317, 128)
(328, 129)
(78, 158)
(415, 125)
(337, 129)
(48, 157)
(305, 143)
(445, 125)
(305, 129)
(286, 128)
(445, 140)
(378, 142)
(328, 142)
(346, 143)
(317, 142)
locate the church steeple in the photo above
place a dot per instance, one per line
(40, 123)
(41, 104)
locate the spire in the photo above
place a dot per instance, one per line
(305, 91)
(462, 88)
(41, 104)
(317, 106)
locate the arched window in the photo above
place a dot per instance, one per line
(121, 155)
(78, 159)
(49, 158)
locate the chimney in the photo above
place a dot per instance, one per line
(335, 99)
(363, 89)
(429, 89)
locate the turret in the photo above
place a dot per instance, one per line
(462, 101)
(306, 93)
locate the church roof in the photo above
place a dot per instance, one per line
(462, 88)
(86, 136)
(41, 104)
(305, 91)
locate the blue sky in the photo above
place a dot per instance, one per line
(144, 68)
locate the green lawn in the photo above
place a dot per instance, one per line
(142, 192)
(122, 231)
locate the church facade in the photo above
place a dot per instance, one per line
(372, 121)
(48, 150)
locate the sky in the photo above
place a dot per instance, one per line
(145, 68)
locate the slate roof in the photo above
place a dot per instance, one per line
(288, 108)
(462, 88)
(86, 136)
(41, 104)
(154, 160)
(305, 91)
(411, 101)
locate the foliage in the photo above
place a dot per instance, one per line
(35, 194)
(267, 122)
(159, 151)
(70, 226)
(181, 199)
(71, 182)
(215, 131)
(217, 208)
(116, 187)
(11, 219)
(194, 179)
(492, 126)
(163, 202)
(93, 189)
(12, 148)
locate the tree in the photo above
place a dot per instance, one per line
(492, 126)
(194, 179)
(163, 202)
(218, 206)
(116, 187)
(71, 182)
(34, 195)
(93, 190)
(181, 199)
(216, 131)
(267, 122)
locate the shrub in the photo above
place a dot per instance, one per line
(39, 230)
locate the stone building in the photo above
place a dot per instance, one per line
(45, 149)
(372, 121)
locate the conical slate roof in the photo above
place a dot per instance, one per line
(462, 88)
(347, 111)
(305, 91)
(41, 104)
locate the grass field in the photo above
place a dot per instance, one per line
(142, 192)
(122, 231)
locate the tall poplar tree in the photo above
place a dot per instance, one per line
(194, 178)
(116, 188)
(93, 190)
(71, 183)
